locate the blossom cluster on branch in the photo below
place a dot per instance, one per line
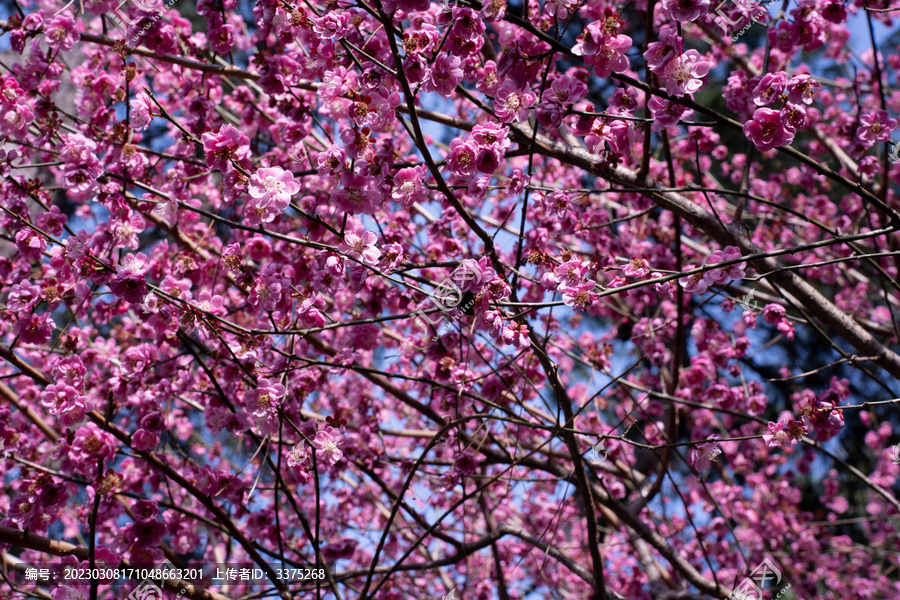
(227, 260)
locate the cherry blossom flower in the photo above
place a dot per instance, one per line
(777, 436)
(141, 111)
(793, 116)
(35, 329)
(462, 158)
(273, 186)
(265, 398)
(298, 456)
(579, 296)
(360, 244)
(516, 334)
(638, 267)
(801, 88)
(769, 88)
(228, 145)
(666, 113)
(129, 283)
(766, 130)
(23, 296)
(686, 10)
(684, 73)
(327, 442)
(659, 53)
(704, 454)
(445, 75)
(511, 106)
(875, 127)
(61, 32)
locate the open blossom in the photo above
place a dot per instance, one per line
(802, 88)
(408, 186)
(512, 106)
(704, 454)
(793, 116)
(141, 111)
(875, 127)
(769, 88)
(579, 296)
(445, 75)
(23, 297)
(766, 130)
(516, 334)
(686, 10)
(327, 442)
(274, 186)
(129, 282)
(61, 33)
(360, 244)
(298, 456)
(638, 267)
(786, 432)
(356, 194)
(684, 73)
(228, 145)
(265, 398)
(462, 158)
(659, 53)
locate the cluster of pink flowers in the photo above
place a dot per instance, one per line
(483, 153)
(682, 71)
(270, 191)
(221, 251)
(770, 128)
(699, 283)
(603, 47)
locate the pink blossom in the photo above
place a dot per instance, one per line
(265, 398)
(327, 442)
(511, 106)
(408, 186)
(90, 445)
(704, 454)
(801, 88)
(52, 221)
(331, 25)
(360, 244)
(228, 145)
(298, 456)
(769, 88)
(141, 111)
(666, 113)
(129, 282)
(785, 433)
(875, 127)
(23, 296)
(61, 33)
(686, 10)
(30, 243)
(331, 162)
(445, 75)
(579, 296)
(638, 267)
(516, 334)
(462, 158)
(221, 38)
(565, 91)
(793, 116)
(35, 329)
(272, 186)
(684, 73)
(659, 53)
(356, 195)
(766, 130)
